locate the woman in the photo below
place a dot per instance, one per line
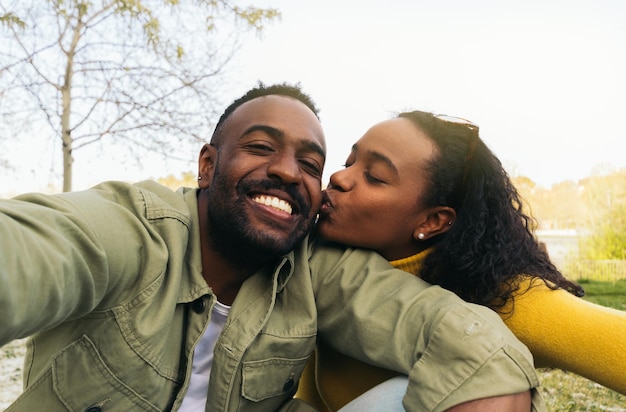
(426, 193)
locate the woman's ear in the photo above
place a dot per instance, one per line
(438, 220)
(206, 165)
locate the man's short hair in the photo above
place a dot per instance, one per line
(282, 89)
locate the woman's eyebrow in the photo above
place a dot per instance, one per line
(379, 157)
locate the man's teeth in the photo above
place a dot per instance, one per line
(274, 202)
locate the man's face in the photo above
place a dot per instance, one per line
(266, 186)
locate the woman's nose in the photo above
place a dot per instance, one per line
(340, 181)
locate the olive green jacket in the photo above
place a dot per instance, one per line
(108, 282)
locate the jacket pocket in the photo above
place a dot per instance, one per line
(271, 377)
(81, 379)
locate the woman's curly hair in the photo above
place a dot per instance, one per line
(491, 243)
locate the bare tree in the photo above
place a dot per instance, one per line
(143, 72)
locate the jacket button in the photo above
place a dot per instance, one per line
(198, 305)
(93, 409)
(288, 385)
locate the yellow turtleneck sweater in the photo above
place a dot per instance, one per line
(560, 329)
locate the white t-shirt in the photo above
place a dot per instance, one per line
(195, 398)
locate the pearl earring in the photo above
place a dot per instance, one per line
(421, 236)
(199, 177)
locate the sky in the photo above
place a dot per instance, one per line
(544, 80)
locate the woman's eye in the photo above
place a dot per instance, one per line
(349, 161)
(372, 179)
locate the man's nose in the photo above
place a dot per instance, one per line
(286, 167)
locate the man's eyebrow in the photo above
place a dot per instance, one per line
(379, 157)
(278, 134)
(272, 131)
(311, 146)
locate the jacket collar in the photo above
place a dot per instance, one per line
(284, 271)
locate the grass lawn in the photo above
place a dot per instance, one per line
(608, 294)
(564, 391)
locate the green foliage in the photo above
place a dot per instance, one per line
(186, 180)
(595, 206)
(608, 240)
(10, 19)
(256, 17)
(605, 221)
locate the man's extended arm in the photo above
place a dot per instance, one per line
(452, 351)
(60, 256)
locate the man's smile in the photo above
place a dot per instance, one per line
(274, 202)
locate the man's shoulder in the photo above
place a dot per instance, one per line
(148, 199)
(162, 202)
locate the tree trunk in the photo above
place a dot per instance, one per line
(66, 132)
(66, 98)
(67, 161)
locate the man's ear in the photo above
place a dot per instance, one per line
(438, 220)
(206, 165)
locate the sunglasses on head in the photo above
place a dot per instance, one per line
(457, 120)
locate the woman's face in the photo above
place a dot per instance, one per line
(375, 201)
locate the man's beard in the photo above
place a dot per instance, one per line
(232, 234)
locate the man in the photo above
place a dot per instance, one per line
(137, 295)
